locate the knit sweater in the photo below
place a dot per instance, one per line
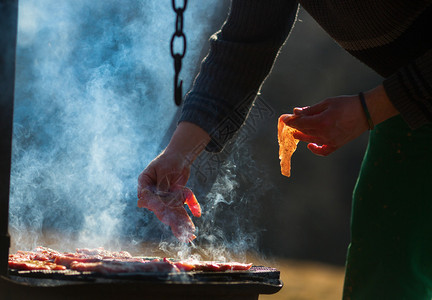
(391, 36)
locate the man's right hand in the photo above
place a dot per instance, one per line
(161, 186)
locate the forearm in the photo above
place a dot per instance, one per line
(188, 140)
(241, 56)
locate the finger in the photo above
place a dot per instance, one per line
(149, 200)
(143, 199)
(192, 202)
(182, 226)
(145, 180)
(171, 181)
(311, 110)
(322, 150)
(179, 222)
(169, 209)
(306, 124)
(308, 138)
(141, 203)
(163, 183)
(300, 110)
(141, 193)
(146, 190)
(286, 117)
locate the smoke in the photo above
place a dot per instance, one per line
(228, 227)
(93, 102)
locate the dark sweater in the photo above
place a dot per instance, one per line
(393, 37)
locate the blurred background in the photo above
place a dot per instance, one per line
(94, 106)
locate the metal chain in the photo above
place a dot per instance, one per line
(178, 34)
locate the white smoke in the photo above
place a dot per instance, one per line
(93, 102)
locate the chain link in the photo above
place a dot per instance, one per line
(178, 56)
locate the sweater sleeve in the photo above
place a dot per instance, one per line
(241, 55)
(410, 91)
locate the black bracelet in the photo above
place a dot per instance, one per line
(366, 111)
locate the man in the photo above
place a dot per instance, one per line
(389, 255)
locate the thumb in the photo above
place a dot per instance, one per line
(310, 110)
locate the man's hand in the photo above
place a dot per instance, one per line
(161, 189)
(334, 122)
(161, 186)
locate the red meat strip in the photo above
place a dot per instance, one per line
(211, 266)
(34, 265)
(68, 258)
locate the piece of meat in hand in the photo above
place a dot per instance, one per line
(169, 209)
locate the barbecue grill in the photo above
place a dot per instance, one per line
(70, 284)
(193, 285)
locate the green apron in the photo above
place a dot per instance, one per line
(390, 255)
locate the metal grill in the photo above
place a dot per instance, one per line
(259, 274)
(70, 284)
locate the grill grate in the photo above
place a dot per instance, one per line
(195, 285)
(256, 273)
